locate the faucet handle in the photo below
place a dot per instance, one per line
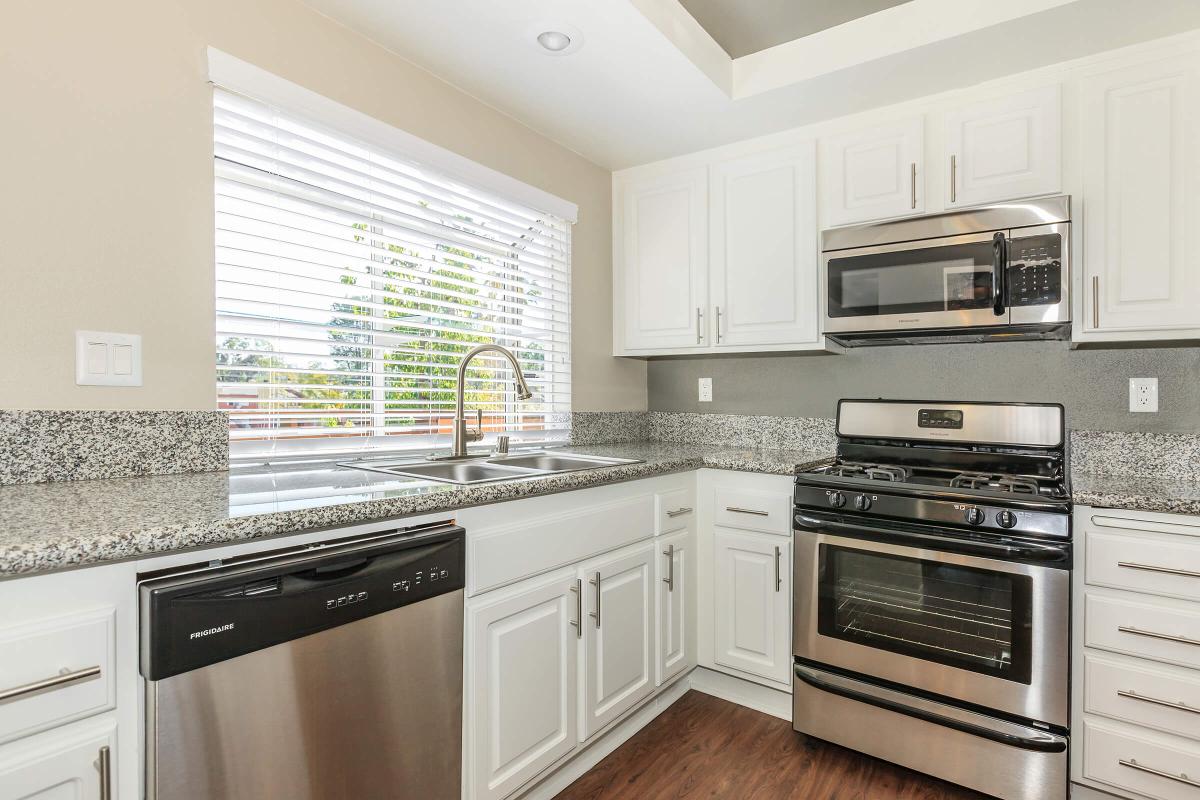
(477, 434)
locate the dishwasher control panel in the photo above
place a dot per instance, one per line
(210, 615)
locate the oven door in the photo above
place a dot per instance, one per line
(988, 631)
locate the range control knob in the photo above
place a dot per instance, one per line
(837, 499)
(862, 503)
(1006, 519)
(974, 516)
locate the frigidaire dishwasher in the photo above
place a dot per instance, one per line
(327, 672)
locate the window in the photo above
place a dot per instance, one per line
(351, 280)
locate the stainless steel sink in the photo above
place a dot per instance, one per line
(484, 469)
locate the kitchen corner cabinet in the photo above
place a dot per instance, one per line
(1003, 148)
(675, 587)
(874, 173)
(1141, 173)
(753, 603)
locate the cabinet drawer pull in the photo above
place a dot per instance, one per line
(1152, 568)
(50, 684)
(953, 179)
(670, 579)
(1180, 778)
(679, 512)
(912, 180)
(105, 766)
(577, 623)
(778, 576)
(596, 614)
(751, 511)
(1170, 637)
(1132, 695)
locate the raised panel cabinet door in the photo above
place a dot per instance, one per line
(1004, 148)
(675, 646)
(753, 608)
(70, 763)
(663, 242)
(1142, 192)
(618, 635)
(763, 249)
(874, 174)
(522, 688)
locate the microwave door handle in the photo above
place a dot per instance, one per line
(1026, 552)
(999, 273)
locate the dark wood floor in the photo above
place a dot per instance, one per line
(705, 747)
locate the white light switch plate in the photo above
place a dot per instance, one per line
(706, 390)
(108, 359)
(1143, 395)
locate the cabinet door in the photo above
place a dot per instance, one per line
(1142, 188)
(64, 764)
(522, 687)
(618, 635)
(663, 241)
(874, 174)
(1004, 148)
(753, 608)
(675, 649)
(763, 250)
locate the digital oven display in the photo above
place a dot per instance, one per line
(939, 418)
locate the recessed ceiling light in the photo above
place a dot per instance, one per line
(554, 41)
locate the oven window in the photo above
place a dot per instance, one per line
(974, 619)
(953, 277)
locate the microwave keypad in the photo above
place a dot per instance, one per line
(1035, 272)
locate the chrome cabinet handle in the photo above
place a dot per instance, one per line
(105, 765)
(679, 512)
(596, 614)
(778, 576)
(1132, 695)
(912, 182)
(699, 330)
(670, 579)
(751, 511)
(1187, 573)
(577, 623)
(718, 324)
(1170, 637)
(1095, 301)
(1180, 778)
(49, 684)
(953, 179)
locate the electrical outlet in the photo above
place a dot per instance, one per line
(706, 390)
(1143, 394)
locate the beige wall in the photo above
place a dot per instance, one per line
(106, 185)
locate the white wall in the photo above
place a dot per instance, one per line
(106, 185)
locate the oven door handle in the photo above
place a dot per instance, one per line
(1040, 744)
(1027, 552)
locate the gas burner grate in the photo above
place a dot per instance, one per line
(878, 472)
(1002, 483)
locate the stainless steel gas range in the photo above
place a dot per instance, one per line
(932, 579)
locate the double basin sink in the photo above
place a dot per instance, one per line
(484, 469)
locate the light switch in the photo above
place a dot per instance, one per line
(108, 359)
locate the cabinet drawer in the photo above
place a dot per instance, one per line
(753, 510)
(1144, 563)
(674, 510)
(55, 670)
(1157, 697)
(1143, 627)
(1140, 761)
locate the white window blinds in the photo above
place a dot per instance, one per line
(351, 281)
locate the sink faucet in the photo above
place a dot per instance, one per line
(463, 434)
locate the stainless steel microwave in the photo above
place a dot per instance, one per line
(992, 273)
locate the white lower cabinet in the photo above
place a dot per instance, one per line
(71, 763)
(522, 683)
(675, 650)
(618, 635)
(753, 603)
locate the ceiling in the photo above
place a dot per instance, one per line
(748, 26)
(649, 82)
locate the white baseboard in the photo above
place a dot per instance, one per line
(1081, 792)
(775, 702)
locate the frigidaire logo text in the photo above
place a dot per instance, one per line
(210, 631)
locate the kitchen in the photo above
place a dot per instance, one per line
(637, 399)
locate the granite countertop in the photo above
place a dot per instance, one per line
(51, 526)
(1136, 493)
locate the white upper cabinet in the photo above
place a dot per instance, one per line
(873, 174)
(662, 269)
(1004, 148)
(763, 249)
(1141, 184)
